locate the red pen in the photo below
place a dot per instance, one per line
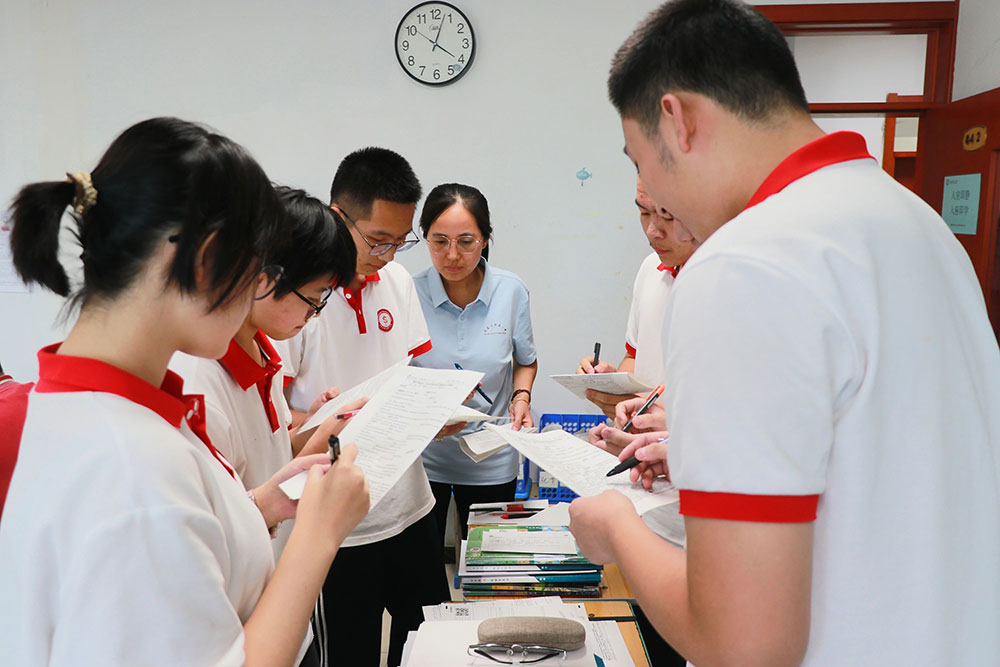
(349, 413)
(645, 406)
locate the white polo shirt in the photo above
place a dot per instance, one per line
(247, 417)
(829, 359)
(358, 334)
(652, 286)
(124, 539)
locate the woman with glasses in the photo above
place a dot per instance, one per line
(127, 537)
(479, 319)
(248, 419)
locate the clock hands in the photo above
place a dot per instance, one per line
(427, 38)
(445, 50)
(438, 46)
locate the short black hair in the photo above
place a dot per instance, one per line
(161, 179)
(373, 173)
(444, 196)
(318, 243)
(723, 49)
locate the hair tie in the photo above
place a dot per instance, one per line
(86, 193)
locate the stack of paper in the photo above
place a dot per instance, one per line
(450, 628)
(484, 443)
(525, 561)
(609, 383)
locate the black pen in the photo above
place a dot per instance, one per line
(645, 406)
(597, 355)
(334, 448)
(631, 461)
(479, 387)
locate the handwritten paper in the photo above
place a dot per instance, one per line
(466, 414)
(583, 467)
(609, 383)
(548, 605)
(484, 443)
(522, 542)
(364, 389)
(403, 415)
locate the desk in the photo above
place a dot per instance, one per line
(614, 584)
(620, 609)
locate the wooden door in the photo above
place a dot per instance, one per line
(963, 138)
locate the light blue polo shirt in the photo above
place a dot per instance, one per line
(487, 336)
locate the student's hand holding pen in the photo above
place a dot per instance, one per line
(272, 502)
(651, 451)
(328, 395)
(334, 501)
(332, 425)
(654, 419)
(587, 366)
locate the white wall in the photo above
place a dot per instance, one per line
(977, 52)
(305, 82)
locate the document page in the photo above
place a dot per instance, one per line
(609, 383)
(466, 414)
(394, 427)
(540, 542)
(365, 389)
(583, 467)
(484, 443)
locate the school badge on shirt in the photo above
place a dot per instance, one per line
(494, 329)
(384, 319)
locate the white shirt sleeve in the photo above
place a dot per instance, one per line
(417, 336)
(755, 367)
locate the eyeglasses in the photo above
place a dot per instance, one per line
(465, 244)
(316, 308)
(517, 654)
(377, 249)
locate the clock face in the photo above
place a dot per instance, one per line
(435, 44)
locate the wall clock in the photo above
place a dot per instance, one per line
(435, 44)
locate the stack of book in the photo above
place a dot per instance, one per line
(525, 561)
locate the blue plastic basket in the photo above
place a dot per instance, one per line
(571, 423)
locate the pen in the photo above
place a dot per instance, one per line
(631, 461)
(597, 355)
(645, 406)
(526, 512)
(517, 515)
(479, 387)
(349, 413)
(334, 448)
(513, 507)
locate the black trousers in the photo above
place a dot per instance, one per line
(399, 574)
(465, 495)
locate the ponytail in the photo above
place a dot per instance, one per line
(36, 216)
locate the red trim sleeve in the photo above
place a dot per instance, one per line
(286, 380)
(630, 350)
(420, 349)
(744, 507)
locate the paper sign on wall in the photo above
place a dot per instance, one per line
(960, 208)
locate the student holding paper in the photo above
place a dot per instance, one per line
(652, 287)
(479, 317)
(127, 537)
(830, 482)
(392, 560)
(247, 417)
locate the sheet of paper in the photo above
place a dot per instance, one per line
(554, 515)
(609, 383)
(397, 423)
(445, 644)
(466, 414)
(484, 443)
(365, 389)
(549, 605)
(583, 467)
(541, 542)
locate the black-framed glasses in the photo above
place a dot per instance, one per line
(377, 249)
(466, 245)
(317, 308)
(515, 654)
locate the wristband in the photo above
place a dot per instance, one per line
(521, 391)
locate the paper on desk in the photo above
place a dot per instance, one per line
(445, 644)
(549, 605)
(466, 414)
(484, 443)
(397, 423)
(609, 383)
(535, 542)
(554, 515)
(583, 467)
(364, 389)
